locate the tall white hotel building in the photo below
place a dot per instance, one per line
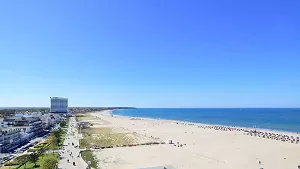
(59, 105)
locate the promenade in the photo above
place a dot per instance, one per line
(71, 150)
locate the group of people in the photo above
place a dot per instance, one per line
(221, 128)
(68, 148)
(274, 136)
(253, 132)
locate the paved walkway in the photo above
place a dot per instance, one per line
(70, 152)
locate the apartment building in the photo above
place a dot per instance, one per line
(10, 137)
(29, 124)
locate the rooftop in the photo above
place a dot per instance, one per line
(58, 98)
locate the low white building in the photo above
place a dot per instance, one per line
(59, 105)
(50, 119)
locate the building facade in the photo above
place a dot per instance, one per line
(59, 105)
(23, 127)
(10, 137)
(30, 125)
(50, 119)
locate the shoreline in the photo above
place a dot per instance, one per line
(297, 134)
(191, 145)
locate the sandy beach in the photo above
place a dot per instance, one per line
(195, 146)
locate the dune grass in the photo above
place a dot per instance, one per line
(104, 137)
(84, 117)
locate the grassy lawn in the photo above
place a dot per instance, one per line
(104, 137)
(83, 143)
(88, 156)
(16, 161)
(30, 165)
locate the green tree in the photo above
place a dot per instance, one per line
(49, 162)
(52, 141)
(57, 134)
(63, 123)
(34, 157)
(41, 151)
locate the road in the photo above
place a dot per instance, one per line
(71, 152)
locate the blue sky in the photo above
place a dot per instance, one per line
(150, 53)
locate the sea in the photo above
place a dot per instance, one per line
(281, 119)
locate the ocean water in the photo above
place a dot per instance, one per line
(283, 119)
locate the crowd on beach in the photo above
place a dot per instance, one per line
(274, 136)
(252, 132)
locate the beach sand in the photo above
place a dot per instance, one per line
(201, 148)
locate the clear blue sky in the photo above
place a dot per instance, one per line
(150, 53)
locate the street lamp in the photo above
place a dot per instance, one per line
(89, 164)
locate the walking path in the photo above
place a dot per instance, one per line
(71, 150)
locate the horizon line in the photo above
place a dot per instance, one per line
(165, 107)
